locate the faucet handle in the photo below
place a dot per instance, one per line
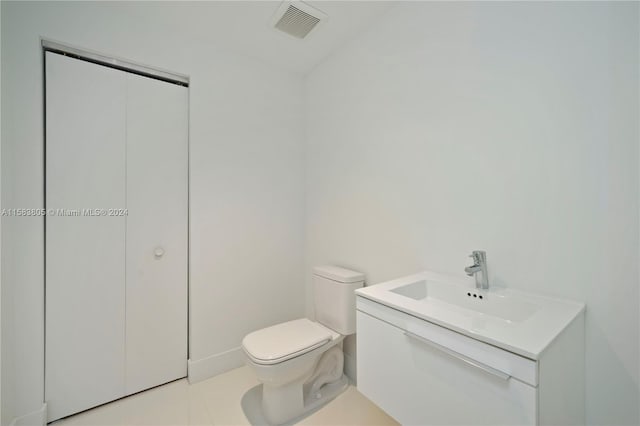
(479, 256)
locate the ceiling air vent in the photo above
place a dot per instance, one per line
(297, 19)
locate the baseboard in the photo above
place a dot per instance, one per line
(350, 368)
(36, 418)
(213, 365)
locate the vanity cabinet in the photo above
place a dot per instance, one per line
(421, 373)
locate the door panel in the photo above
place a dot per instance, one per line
(116, 313)
(157, 129)
(85, 293)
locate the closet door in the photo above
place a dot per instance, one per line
(157, 197)
(85, 270)
(116, 263)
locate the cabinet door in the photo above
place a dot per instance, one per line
(85, 273)
(157, 131)
(419, 384)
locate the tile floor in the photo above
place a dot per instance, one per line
(217, 401)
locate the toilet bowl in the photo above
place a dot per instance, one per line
(300, 362)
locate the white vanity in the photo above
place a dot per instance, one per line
(433, 350)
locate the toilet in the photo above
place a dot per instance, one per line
(300, 362)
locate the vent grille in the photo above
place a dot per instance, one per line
(297, 22)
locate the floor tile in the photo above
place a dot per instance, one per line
(223, 395)
(175, 403)
(349, 408)
(218, 401)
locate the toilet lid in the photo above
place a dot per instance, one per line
(284, 341)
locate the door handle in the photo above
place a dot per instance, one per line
(484, 367)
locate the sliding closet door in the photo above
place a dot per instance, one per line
(85, 270)
(157, 197)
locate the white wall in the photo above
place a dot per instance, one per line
(508, 127)
(1, 414)
(246, 179)
(6, 331)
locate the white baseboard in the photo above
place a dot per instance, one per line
(350, 368)
(35, 418)
(213, 365)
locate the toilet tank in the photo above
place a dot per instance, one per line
(334, 297)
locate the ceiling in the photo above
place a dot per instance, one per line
(245, 27)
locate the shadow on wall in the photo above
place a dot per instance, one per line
(626, 391)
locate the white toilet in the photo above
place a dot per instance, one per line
(300, 363)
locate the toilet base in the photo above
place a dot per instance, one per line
(326, 393)
(252, 402)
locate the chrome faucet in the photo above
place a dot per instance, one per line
(479, 269)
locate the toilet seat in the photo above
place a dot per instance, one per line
(281, 342)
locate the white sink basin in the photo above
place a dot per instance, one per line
(505, 307)
(520, 322)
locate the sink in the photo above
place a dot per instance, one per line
(416, 291)
(504, 307)
(521, 322)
